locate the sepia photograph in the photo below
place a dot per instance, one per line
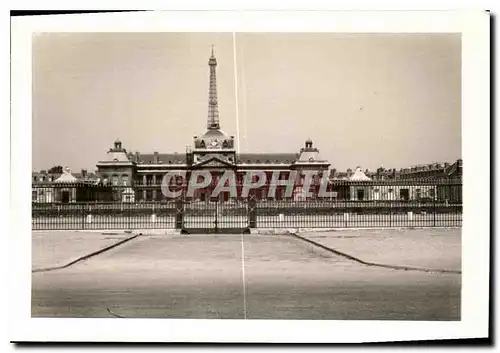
(247, 175)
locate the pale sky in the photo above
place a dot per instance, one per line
(364, 99)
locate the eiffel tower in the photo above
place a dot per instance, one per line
(213, 104)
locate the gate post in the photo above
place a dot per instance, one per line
(434, 212)
(216, 222)
(83, 215)
(179, 213)
(129, 215)
(252, 214)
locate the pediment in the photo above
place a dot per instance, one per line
(213, 162)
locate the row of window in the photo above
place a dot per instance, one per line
(150, 195)
(404, 194)
(115, 179)
(42, 178)
(157, 179)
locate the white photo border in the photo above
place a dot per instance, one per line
(474, 27)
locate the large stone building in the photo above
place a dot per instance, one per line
(213, 151)
(61, 187)
(435, 170)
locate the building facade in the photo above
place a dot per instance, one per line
(124, 176)
(213, 151)
(424, 171)
(65, 187)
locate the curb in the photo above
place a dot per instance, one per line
(374, 264)
(272, 231)
(85, 257)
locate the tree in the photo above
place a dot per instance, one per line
(56, 170)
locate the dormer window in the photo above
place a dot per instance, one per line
(115, 159)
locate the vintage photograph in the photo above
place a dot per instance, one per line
(301, 176)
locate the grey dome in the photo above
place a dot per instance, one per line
(213, 138)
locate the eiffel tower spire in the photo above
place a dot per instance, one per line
(213, 104)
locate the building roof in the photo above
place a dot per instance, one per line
(359, 175)
(66, 177)
(214, 139)
(44, 177)
(163, 158)
(117, 156)
(255, 158)
(52, 177)
(85, 176)
(310, 156)
(340, 176)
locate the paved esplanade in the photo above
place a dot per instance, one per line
(238, 276)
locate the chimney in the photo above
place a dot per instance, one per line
(155, 158)
(137, 157)
(84, 173)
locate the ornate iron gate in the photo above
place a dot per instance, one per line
(215, 216)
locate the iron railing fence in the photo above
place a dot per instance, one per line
(417, 203)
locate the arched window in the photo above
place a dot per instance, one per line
(114, 180)
(202, 144)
